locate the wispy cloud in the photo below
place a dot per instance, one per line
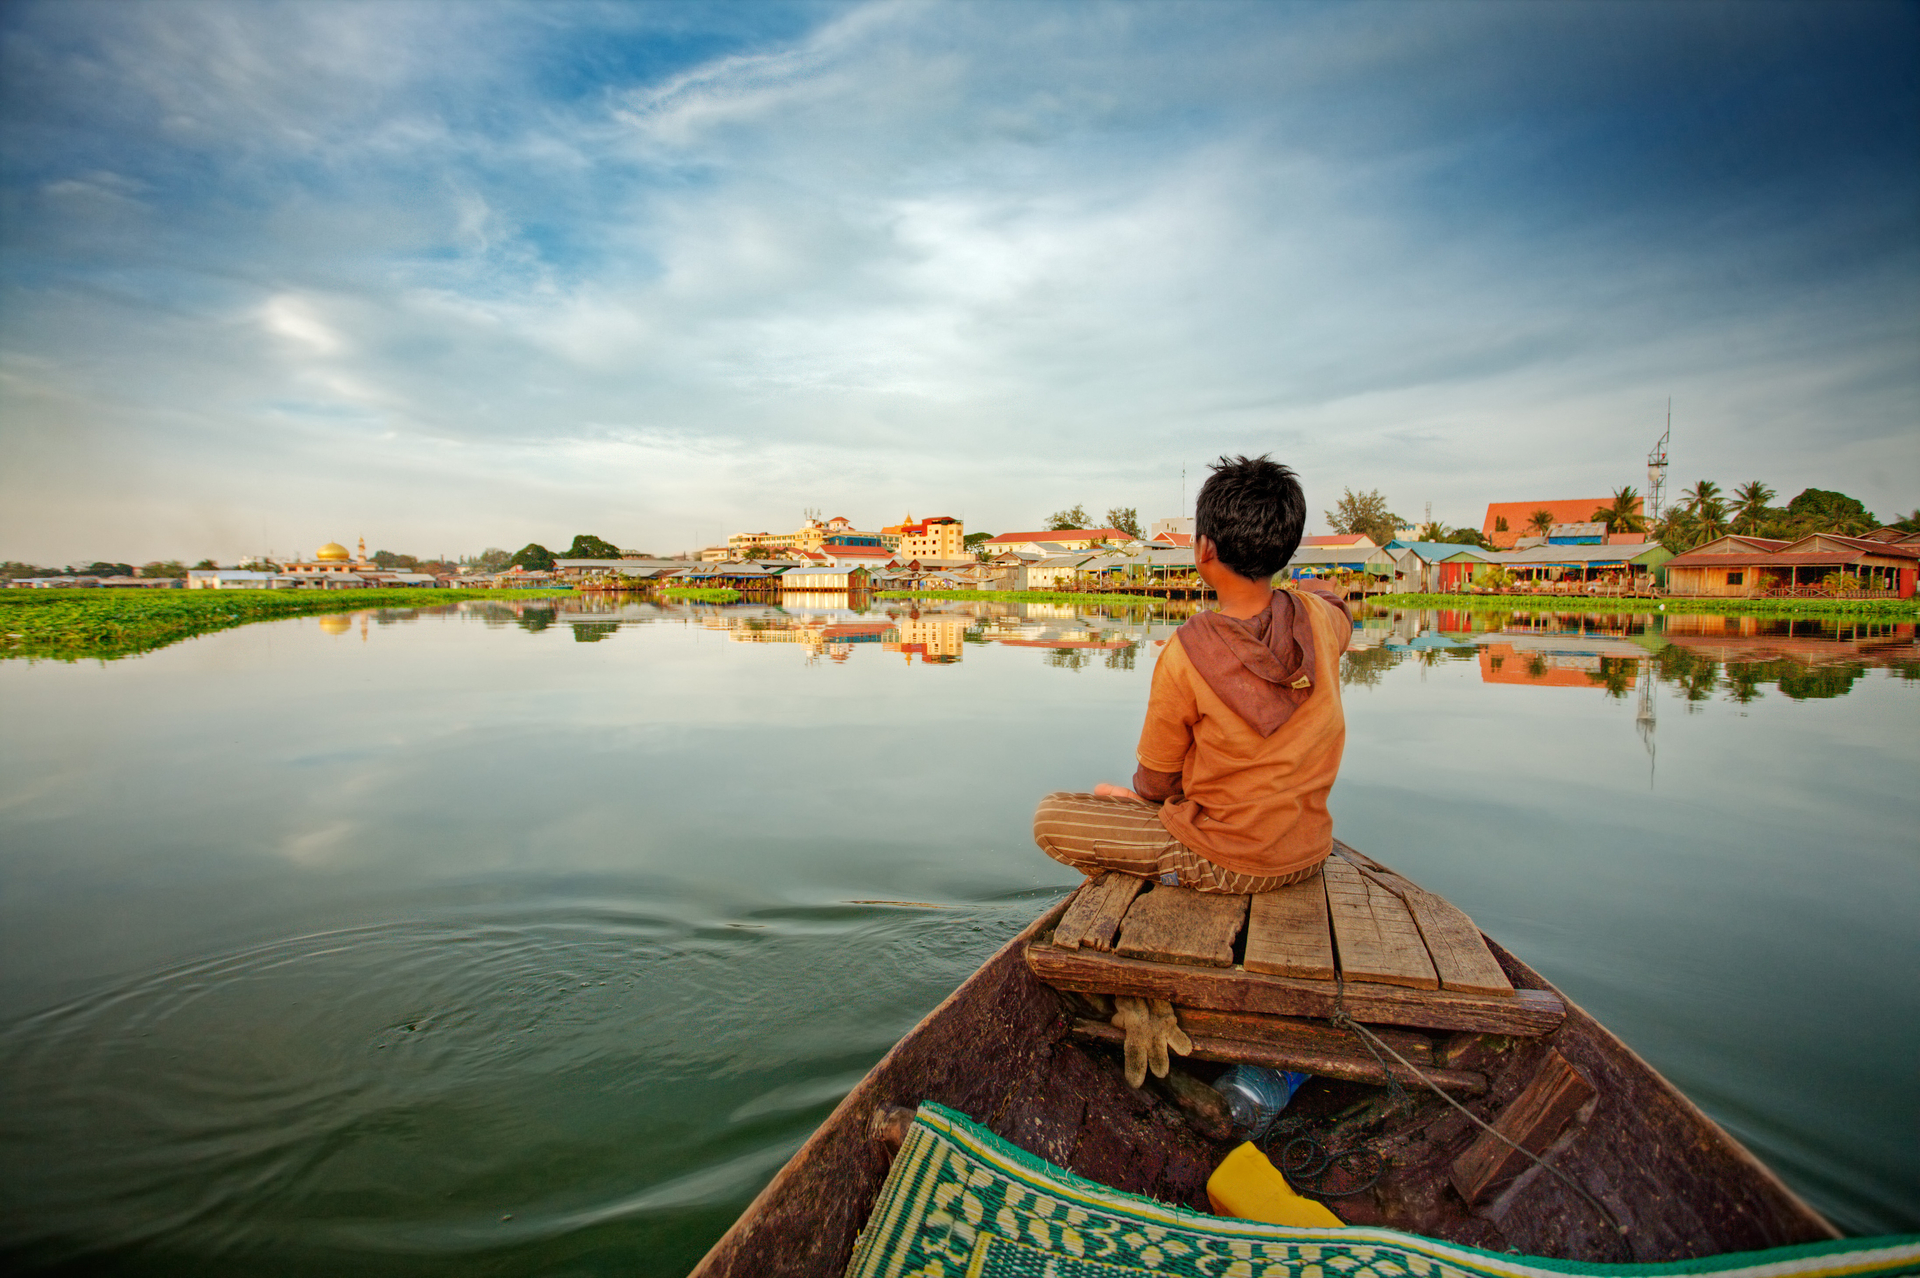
(463, 274)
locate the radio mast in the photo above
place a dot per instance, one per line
(1657, 470)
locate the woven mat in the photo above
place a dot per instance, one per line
(962, 1203)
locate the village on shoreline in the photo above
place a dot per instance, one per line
(1599, 548)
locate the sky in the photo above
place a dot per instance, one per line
(451, 276)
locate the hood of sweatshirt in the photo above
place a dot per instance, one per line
(1262, 666)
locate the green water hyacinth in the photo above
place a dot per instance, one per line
(1853, 609)
(700, 594)
(1016, 596)
(105, 625)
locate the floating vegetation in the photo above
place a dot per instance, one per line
(701, 594)
(1017, 596)
(106, 624)
(1887, 609)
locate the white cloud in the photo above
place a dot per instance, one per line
(293, 318)
(987, 260)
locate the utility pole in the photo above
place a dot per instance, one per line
(1657, 470)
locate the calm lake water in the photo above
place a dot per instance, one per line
(533, 939)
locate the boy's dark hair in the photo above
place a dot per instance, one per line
(1253, 511)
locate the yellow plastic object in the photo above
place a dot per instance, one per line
(1245, 1185)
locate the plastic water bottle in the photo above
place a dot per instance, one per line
(1256, 1095)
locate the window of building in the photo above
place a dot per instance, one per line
(1736, 578)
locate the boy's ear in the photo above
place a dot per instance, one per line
(1204, 550)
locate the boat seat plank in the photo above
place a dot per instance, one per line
(1525, 1013)
(1354, 1066)
(1082, 907)
(1459, 952)
(1288, 933)
(1532, 1121)
(1460, 955)
(1374, 933)
(1093, 918)
(1290, 1031)
(1180, 925)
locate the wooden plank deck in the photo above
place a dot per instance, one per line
(1234, 989)
(1093, 917)
(1396, 954)
(1373, 931)
(1180, 925)
(1288, 933)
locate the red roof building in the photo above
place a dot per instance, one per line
(1339, 539)
(1072, 538)
(1508, 521)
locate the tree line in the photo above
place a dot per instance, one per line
(533, 556)
(1704, 512)
(1074, 518)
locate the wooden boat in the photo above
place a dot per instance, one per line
(1030, 1058)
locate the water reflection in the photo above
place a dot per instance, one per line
(530, 936)
(1695, 656)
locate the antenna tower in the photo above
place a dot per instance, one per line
(1657, 470)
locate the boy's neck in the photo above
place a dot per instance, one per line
(1240, 597)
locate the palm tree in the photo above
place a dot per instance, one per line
(1622, 515)
(1709, 512)
(1541, 521)
(1750, 505)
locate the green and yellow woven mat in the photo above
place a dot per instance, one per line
(962, 1203)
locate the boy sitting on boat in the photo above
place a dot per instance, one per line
(1244, 729)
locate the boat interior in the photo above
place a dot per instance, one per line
(1456, 1094)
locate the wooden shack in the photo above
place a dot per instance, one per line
(1763, 567)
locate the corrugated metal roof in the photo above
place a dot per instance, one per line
(1812, 558)
(1433, 551)
(1336, 556)
(1546, 556)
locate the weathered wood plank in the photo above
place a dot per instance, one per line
(1357, 1067)
(1531, 1121)
(1288, 933)
(1527, 1013)
(1114, 894)
(1460, 956)
(1180, 925)
(1459, 953)
(1288, 1031)
(1374, 934)
(1082, 908)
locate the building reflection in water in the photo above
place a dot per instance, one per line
(1693, 656)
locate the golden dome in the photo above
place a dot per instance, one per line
(336, 623)
(332, 553)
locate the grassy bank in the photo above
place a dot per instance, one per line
(1014, 596)
(76, 625)
(1848, 609)
(700, 594)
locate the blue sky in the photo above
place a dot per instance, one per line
(455, 275)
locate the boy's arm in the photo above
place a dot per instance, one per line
(1167, 734)
(1338, 601)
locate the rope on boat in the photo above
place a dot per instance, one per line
(1342, 1019)
(1306, 1161)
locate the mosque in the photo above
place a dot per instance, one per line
(333, 558)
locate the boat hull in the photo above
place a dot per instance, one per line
(1000, 1049)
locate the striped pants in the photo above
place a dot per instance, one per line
(1093, 833)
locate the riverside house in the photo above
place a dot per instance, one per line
(1822, 565)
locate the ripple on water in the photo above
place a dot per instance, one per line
(545, 1084)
